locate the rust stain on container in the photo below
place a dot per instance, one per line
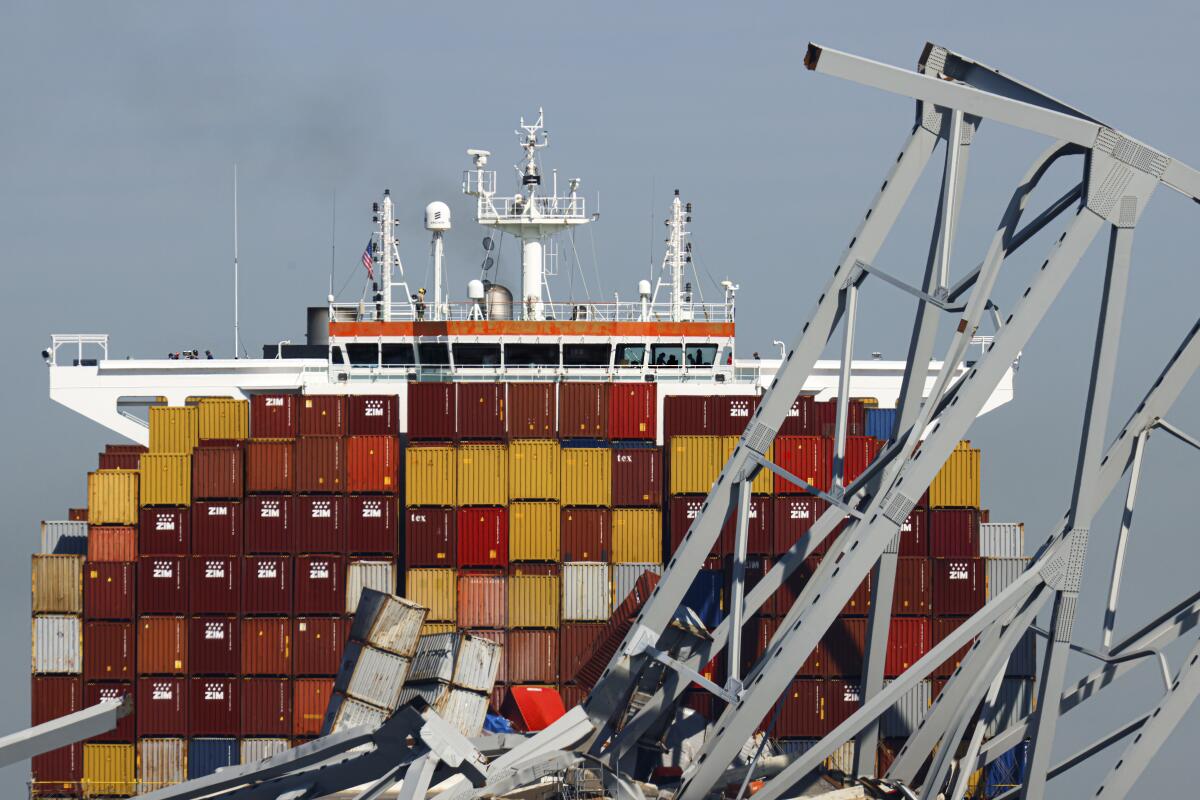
(273, 416)
(319, 584)
(371, 525)
(372, 464)
(215, 585)
(266, 707)
(317, 645)
(323, 415)
(112, 543)
(532, 657)
(267, 585)
(217, 528)
(162, 646)
(429, 537)
(373, 415)
(113, 497)
(633, 411)
(217, 473)
(268, 521)
(162, 585)
(583, 410)
(532, 411)
(319, 524)
(482, 537)
(482, 475)
(586, 534)
(266, 646)
(533, 469)
(481, 410)
(164, 531)
(108, 651)
(637, 476)
(310, 698)
(482, 600)
(214, 646)
(270, 465)
(432, 411)
(109, 590)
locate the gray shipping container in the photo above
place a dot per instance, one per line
(258, 749)
(1002, 573)
(470, 662)
(587, 592)
(387, 622)
(345, 712)
(377, 575)
(162, 762)
(905, 716)
(1017, 699)
(1002, 540)
(372, 676)
(434, 659)
(795, 747)
(64, 537)
(624, 576)
(462, 708)
(57, 644)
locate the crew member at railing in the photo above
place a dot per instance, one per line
(419, 303)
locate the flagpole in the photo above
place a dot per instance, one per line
(236, 334)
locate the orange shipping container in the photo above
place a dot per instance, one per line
(310, 696)
(482, 600)
(320, 464)
(269, 466)
(371, 464)
(115, 543)
(162, 646)
(266, 646)
(217, 473)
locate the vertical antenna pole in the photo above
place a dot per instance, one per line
(237, 344)
(333, 244)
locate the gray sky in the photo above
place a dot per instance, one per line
(121, 125)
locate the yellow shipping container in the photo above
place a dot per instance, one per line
(533, 601)
(437, 590)
(432, 628)
(533, 469)
(108, 770)
(695, 463)
(429, 476)
(166, 479)
(57, 584)
(482, 475)
(586, 476)
(113, 497)
(957, 483)
(223, 418)
(637, 536)
(533, 531)
(174, 429)
(763, 483)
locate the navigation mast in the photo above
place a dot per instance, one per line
(676, 260)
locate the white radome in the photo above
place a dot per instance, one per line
(437, 216)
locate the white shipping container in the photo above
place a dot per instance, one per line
(345, 712)
(465, 710)
(905, 716)
(1002, 573)
(372, 676)
(377, 575)
(477, 664)
(258, 749)
(161, 762)
(624, 576)
(587, 592)
(57, 644)
(1017, 699)
(388, 622)
(842, 759)
(64, 537)
(1002, 539)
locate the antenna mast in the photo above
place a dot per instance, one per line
(675, 260)
(237, 344)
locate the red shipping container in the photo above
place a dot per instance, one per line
(126, 448)
(58, 772)
(431, 411)
(323, 415)
(531, 656)
(860, 452)
(575, 643)
(268, 520)
(214, 646)
(586, 534)
(270, 466)
(266, 585)
(94, 692)
(954, 533)
(215, 585)
(310, 698)
(273, 416)
(689, 415)
(756, 635)
(842, 647)
(615, 631)
(803, 710)
(120, 460)
(941, 628)
(319, 524)
(266, 646)
(583, 410)
(572, 695)
(531, 411)
(320, 464)
(843, 698)
(108, 590)
(317, 644)
(266, 707)
(809, 458)
(959, 586)
(373, 415)
(162, 585)
(824, 419)
(372, 464)
(429, 537)
(214, 707)
(216, 528)
(756, 568)
(162, 646)
(481, 411)
(633, 411)
(856, 606)
(54, 696)
(482, 537)
(913, 592)
(371, 525)
(794, 516)
(914, 538)
(685, 509)
(482, 599)
(115, 543)
(320, 584)
(163, 531)
(217, 473)
(162, 707)
(909, 638)
(733, 414)
(108, 651)
(637, 477)
(800, 419)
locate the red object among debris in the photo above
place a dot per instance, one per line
(532, 708)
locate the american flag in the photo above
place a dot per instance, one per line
(368, 261)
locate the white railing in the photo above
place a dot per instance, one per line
(494, 209)
(78, 341)
(557, 312)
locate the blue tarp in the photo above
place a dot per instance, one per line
(1006, 771)
(494, 723)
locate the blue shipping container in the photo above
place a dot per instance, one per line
(704, 596)
(629, 444)
(879, 422)
(206, 756)
(567, 444)
(1006, 771)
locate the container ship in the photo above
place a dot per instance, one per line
(512, 463)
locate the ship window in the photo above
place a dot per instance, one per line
(585, 355)
(477, 355)
(335, 355)
(531, 355)
(362, 354)
(666, 355)
(434, 353)
(396, 354)
(701, 355)
(631, 355)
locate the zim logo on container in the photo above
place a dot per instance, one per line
(164, 522)
(164, 569)
(739, 408)
(214, 569)
(799, 512)
(322, 509)
(851, 694)
(214, 630)
(218, 511)
(214, 691)
(268, 569)
(270, 509)
(959, 571)
(162, 691)
(372, 510)
(318, 570)
(374, 408)
(693, 510)
(109, 693)
(273, 402)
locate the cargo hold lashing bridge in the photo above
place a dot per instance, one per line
(635, 699)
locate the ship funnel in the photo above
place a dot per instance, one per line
(318, 326)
